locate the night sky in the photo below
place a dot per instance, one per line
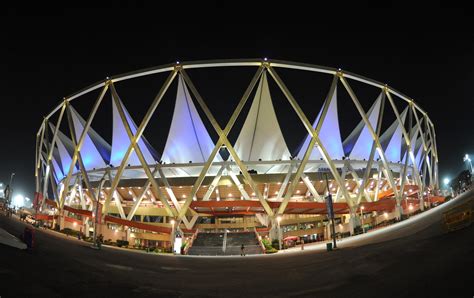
(44, 58)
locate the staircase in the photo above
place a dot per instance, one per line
(207, 244)
(211, 244)
(250, 242)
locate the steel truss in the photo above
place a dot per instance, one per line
(45, 145)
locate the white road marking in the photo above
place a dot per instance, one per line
(119, 267)
(175, 268)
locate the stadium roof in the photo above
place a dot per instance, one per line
(259, 140)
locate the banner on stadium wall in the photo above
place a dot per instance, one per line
(40, 216)
(82, 212)
(138, 225)
(72, 220)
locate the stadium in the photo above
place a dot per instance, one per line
(217, 173)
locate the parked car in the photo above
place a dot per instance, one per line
(30, 219)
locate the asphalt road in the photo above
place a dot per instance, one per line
(437, 267)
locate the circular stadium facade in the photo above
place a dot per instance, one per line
(203, 180)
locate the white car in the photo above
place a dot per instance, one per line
(30, 219)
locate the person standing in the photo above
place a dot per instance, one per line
(242, 250)
(302, 244)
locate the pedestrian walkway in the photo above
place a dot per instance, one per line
(10, 240)
(427, 224)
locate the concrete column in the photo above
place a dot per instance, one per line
(224, 243)
(279, 235)
(422, 202)
(398, 211)
(86, 227)
(61, 220)
(54, 222)
(273, 233)
(353, 221)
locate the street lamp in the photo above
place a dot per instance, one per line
(19, 200)
(446, 181)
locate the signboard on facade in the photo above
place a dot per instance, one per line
(177, 245)
(329, 206)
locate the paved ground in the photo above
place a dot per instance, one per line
(60, 266)
(10, 240)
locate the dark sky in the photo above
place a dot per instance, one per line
(44, 58)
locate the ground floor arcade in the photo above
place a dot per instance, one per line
(304, 221)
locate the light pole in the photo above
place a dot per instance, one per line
(8, 197)
(362, 218)
(279, 231)
(330, 211)
(96, 219)
(173, 232)
(11, 179)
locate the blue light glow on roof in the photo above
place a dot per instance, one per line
(329, 134)
(414, 133)
(420, 153)
(391, 140)
(363, 145)
(89, 153)
(57, 170)
(121, 141)
(65, 150)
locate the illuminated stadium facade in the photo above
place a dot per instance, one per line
(204, 183)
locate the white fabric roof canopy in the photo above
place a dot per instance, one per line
(188, 139)
(261, 137)
(94, 154)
